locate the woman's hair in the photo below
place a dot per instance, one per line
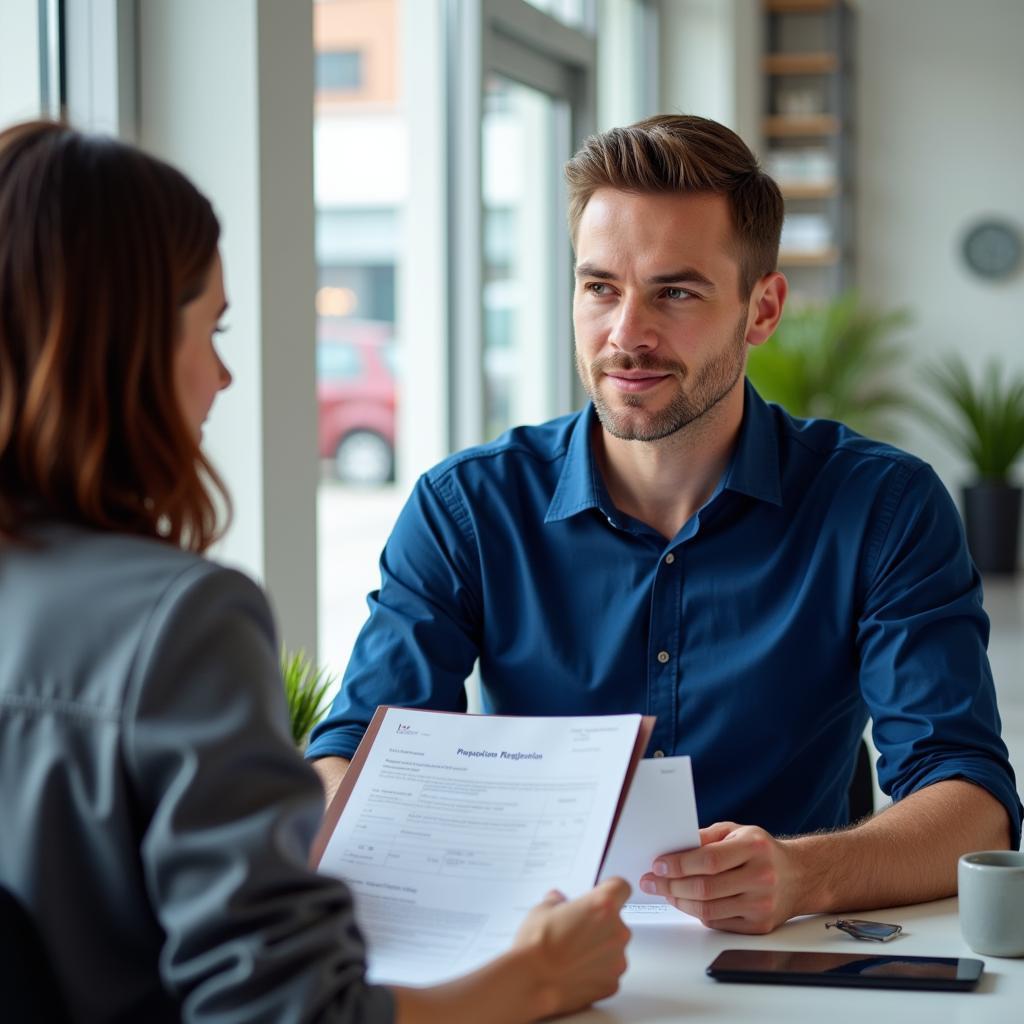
(685, 154)
(101, 246)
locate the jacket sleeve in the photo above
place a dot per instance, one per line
(422, 638)
(227, 813)
(922, 639)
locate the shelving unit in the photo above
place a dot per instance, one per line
(807, 130)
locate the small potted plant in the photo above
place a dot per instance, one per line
(307, 690)
(834, 361)
(984, 421)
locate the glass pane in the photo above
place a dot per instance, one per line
(360, 157)
(520, 179)
(572, 12)
(626, 61)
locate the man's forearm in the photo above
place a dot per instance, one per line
(905, 854)
(331, 771)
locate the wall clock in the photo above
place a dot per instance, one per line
(992, 248)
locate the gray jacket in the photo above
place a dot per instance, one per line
(156, 819)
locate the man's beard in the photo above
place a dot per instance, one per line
(713, 382)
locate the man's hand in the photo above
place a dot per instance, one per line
(740, 879)
(576, 947)
(744, 880)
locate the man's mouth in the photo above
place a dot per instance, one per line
(633, 381)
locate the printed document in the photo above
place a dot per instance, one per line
(660, 816)
(456, 825)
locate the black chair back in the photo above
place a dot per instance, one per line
(862, 785)
(28, 988)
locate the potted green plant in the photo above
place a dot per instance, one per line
(307, 690)
(835, 361)
(984, 422)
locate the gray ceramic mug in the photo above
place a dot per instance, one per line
(991, 890)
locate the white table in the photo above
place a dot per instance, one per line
(666, 980)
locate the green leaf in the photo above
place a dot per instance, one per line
(834, 361)
(307, 689)
(984, 420)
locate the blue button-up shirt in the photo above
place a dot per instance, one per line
(825, 581)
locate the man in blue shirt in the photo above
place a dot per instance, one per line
(760, 584)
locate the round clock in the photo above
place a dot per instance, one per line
(992, 249)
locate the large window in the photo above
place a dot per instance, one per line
(444, 271)
(521, 207)
(361, 164)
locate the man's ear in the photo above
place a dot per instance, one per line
(765, 308)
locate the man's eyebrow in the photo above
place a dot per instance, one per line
(590, 270)
(687, 275)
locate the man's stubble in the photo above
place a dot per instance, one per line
(713, 382)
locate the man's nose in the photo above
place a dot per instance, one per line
(633, 329)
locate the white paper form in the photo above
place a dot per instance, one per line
(660, 816)
(458, 824)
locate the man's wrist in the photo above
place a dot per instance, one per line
(813, 865)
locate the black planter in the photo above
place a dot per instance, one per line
(992, 520)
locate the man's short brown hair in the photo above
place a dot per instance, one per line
(686, 154)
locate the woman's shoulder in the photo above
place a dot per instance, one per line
(108, 599)
(70, 563)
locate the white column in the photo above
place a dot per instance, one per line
(423, 313)
(225, 92)
(99, 45)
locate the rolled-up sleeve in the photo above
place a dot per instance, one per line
(228, 811)
(422, 637)
(922, 641)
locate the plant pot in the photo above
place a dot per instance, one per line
(992, 520)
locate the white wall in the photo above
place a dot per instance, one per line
(940, 137)
(697, 59)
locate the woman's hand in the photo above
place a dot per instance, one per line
(566, 955)
(578, 947)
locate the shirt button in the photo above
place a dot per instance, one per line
(669, 558)
(663, 656)
(659, 753)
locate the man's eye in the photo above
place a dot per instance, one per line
(677, 293)
(597, 288)
(221, 328)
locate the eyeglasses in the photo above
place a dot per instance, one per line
(870, 931)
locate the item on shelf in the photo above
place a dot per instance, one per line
(799, 100)
(805, 232)
(804, 165)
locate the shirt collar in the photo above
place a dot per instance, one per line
(578, 486)
(753, 469)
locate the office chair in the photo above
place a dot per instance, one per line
(28, 988)
(862, 786)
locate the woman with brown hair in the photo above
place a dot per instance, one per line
(157, 821)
